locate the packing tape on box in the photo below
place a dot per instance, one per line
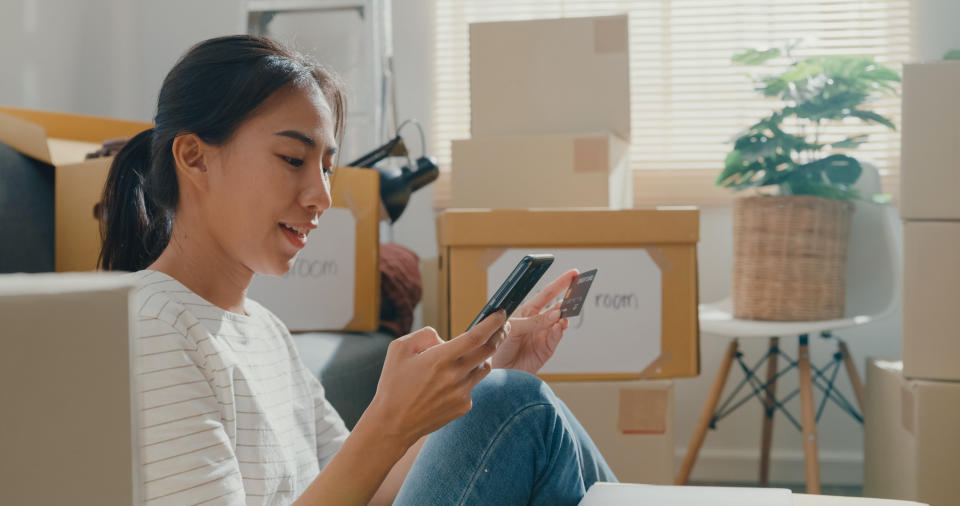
(489, 257)
(654, 368)
(642, 411)
(656, 254)
(591, 154)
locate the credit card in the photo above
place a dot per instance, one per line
(577, 294)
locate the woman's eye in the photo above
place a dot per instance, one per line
(296, 162)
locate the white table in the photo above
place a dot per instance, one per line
(626, 494)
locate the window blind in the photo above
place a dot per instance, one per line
(688, 101)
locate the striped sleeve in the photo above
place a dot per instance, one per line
(331, 431)
(186, 454)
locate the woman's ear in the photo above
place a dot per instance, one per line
(189, 153)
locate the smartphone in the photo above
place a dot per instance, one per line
(516, 287)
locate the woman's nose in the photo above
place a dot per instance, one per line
(316, 194)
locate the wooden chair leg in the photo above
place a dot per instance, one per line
(809, 421)
(852, 373)
(771, 392)
(707, 414)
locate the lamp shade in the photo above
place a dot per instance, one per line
(396, 187)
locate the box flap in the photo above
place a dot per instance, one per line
(597, 227)
(31, 133)
(27, 138)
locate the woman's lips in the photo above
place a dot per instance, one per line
(295, 237)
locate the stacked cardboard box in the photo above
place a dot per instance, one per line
(550, 116)
(639, 321)
(631, 423)
(60, 142)
(911, 438)
(70, 407)
(912, 414)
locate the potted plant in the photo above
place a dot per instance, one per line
(790, 248)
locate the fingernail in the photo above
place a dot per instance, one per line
(506, 328)
(555, 314)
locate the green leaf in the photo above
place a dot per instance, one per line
(872, 117)
(754, 56)
(953, 54)
(828, 191)
(732, 165)
(833, 106)
(839, 169)
(800, 71)
(850, 142)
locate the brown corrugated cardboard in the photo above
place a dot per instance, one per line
(559, 170)
(307, 298)
(911, 438)
(430, 276)
(930, 141)
(931, 323)
(550, 76)
(78, 190)
(641, 452)
(471, 240)
(63, 140)
(69, 401)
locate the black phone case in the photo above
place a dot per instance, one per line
(517, 285)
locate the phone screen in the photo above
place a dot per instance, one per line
(516, 287)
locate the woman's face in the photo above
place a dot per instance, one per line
(269, 184)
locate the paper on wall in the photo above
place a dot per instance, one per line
(318, 292)
(619, 329)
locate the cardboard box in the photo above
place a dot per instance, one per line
(567, 75)
(335, 281)
(631, 423)
(62, 141)
(429, 303)
(70, 405)
(640, 318)
(931, 293)
(559, 170)
(930, 141)
(911, 437)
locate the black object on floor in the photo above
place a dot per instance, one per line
(26, 213)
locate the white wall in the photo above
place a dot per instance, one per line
(108, 57)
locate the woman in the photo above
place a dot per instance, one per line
(229, 183)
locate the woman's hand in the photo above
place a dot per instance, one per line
(535, 332)
(426, 382)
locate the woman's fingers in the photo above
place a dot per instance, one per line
(550, 292)
(420, 340)
(541, 321)
(476, 337)
(480, 354)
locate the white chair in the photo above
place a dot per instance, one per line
(872, 288)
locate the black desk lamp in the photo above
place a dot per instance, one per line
(396, 187)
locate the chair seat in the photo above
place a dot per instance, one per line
(717, 319)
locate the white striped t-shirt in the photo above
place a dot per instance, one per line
(229, 413)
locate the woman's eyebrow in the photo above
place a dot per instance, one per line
(300, 136)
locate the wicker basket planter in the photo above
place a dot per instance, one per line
(790, 256)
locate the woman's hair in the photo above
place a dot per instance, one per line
(211, 90)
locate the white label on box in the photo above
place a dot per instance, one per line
(317, 293)
(618, 330)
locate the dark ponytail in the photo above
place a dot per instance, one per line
(211, 90)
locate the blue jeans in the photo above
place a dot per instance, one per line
(518, 445)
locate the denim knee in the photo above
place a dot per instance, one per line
(510, 388)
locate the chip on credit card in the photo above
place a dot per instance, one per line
(577, 294)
